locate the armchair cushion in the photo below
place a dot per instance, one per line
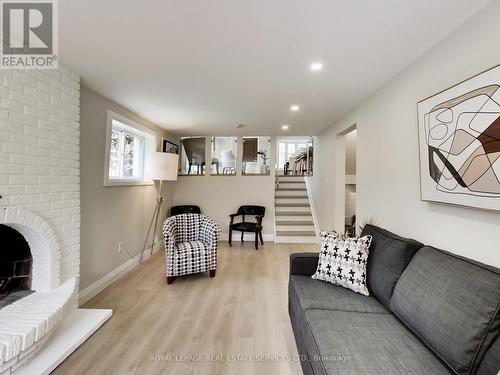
(187, 248)
(192, 257)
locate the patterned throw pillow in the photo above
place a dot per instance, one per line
(343, 262)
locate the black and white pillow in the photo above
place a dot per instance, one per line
(343, 262)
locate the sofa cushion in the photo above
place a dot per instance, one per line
(314, 294)
(389, 256)
(343, 261)
(341, 342)
(490, 364)
(451, 303)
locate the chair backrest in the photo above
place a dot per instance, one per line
(189, 227)
(183, 227)
(252, 210)
(195, 150)
(185, 209)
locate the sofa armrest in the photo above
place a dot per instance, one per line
(304, 264)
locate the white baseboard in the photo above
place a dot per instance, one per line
(97, 287)
(269, 237)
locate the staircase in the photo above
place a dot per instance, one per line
(293, 218)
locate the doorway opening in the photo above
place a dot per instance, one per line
(350, 183)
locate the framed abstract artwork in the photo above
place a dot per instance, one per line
(459, 141)
(169, 147)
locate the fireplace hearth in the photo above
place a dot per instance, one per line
(16, 264)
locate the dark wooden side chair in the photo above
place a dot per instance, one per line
(185, 209)
(248, 226)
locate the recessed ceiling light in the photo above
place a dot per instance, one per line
(239, 126)
(284, 127)
(316, 66)
(294, 108)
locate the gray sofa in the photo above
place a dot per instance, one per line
(429, 312)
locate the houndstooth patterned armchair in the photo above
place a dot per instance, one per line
(190, 245)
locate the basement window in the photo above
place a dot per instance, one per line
(128, 146)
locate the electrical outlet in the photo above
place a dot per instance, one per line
(120, 246)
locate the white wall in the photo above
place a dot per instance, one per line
(388, 186)
(110, 214)
(350, 153)
(219, 196)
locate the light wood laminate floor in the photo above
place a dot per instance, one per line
(242, 312)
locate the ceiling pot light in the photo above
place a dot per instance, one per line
(284, 127)
(316, 66)
(294, 108)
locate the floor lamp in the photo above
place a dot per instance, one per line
(162, 166)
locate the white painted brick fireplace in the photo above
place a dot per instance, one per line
(40, 198)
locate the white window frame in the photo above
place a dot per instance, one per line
(135, 129)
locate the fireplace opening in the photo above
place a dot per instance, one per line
(15, 266)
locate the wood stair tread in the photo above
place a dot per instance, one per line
(294, 222)
(291, 204)
(291, 182)
(291, 196)
(291, 189)
(295, 233)
(292, 213)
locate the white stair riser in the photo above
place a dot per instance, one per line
(284, 193)
(292, 228)
(293, 218)
(296, 239)
(291, 200)
(284, 179)
(292, 209)
(295, 185)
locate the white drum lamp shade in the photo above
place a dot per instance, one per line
(163, 166)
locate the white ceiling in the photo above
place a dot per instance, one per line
(203, 66)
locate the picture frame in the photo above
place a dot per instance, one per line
(459, 143)
(169, 147)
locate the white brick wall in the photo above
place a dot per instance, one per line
(39, 153)
(40, 189)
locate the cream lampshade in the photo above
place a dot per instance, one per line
(162, 166)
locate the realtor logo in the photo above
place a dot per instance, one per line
(29, 34)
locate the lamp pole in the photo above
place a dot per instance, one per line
(154, 219)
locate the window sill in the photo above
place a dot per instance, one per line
(256, 174)
(128, 183)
